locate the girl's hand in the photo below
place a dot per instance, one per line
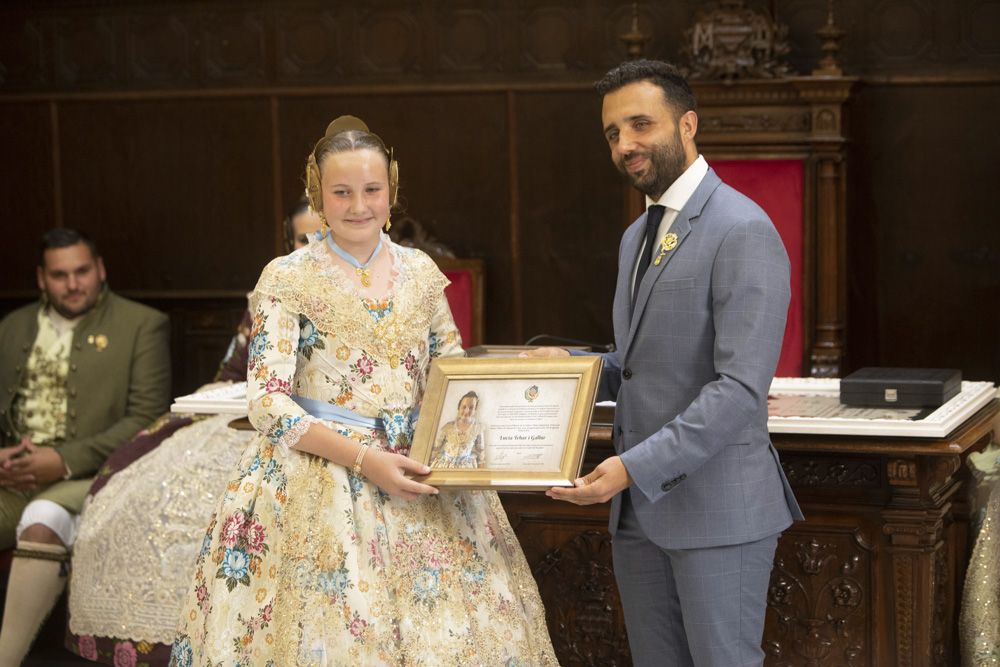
(386, 469)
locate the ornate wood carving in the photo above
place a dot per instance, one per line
(770, 120)
(634, 38)
(578, 585)
(86, 50)
(914, 523)
(470, 39)
(825, 98)
(309, 45)
(941, 472)
(902, 573)
(941, 647)
(832, 472)
(453, 38)
(235, 46)
(831, 36)
(159, 48)
(730, 41)
(902, 472)
(550, 38)
(390, 41)
(820, 601)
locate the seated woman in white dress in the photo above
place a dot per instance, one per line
(146, 516)
(322, 550)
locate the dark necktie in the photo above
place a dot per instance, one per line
(653, 217)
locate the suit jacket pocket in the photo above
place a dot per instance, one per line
(673, 285)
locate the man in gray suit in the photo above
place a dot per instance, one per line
(698, 497)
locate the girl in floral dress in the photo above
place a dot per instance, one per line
(323, 551)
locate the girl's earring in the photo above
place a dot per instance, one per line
(388, 223)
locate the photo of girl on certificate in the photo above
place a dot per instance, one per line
(460, 442)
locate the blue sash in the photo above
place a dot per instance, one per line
(335, 413)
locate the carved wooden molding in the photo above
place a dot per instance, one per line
(772, 120)
(902, 472)
(832, 472)
(940, 644)
(578, 585)
(902, 576)
(820, 601)
(941, 471)
(914, 528)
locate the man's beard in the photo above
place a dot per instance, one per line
(72, 313)
(666, 164)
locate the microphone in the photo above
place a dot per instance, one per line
(602, 347)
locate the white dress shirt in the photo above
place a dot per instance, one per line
(673, 200)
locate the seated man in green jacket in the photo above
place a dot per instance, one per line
(81, 372)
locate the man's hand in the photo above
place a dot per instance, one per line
(26, 466)
(8, 477)
(600, 486)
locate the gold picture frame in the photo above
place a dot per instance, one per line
(501, 351)
(506, 423)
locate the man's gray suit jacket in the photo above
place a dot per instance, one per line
(694, 362)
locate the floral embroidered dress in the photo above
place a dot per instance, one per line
(458, 447)
(305, 563)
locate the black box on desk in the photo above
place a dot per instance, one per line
(875, 387)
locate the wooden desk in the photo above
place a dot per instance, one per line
(873, 576)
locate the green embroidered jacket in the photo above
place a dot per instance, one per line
(118, 382)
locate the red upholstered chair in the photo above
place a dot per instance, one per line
(467, 276)
(781, 142)
(465, 296)
(776, 185)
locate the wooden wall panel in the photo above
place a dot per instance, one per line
(179, 192)
(27, 190)
(925, 187)
(182, 126)
(571, 216)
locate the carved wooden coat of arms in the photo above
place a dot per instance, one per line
(731, 41)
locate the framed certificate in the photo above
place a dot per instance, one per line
(506, 423)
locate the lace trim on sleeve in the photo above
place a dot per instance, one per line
(287, 435)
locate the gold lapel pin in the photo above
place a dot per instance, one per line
(100, 341)
(668, 243)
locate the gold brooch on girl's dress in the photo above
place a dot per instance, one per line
(100, 341)
(668, 243)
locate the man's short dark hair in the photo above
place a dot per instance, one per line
(64, 237)
(675, 87)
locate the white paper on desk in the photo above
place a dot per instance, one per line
(228, 400)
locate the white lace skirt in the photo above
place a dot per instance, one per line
(134, 559)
